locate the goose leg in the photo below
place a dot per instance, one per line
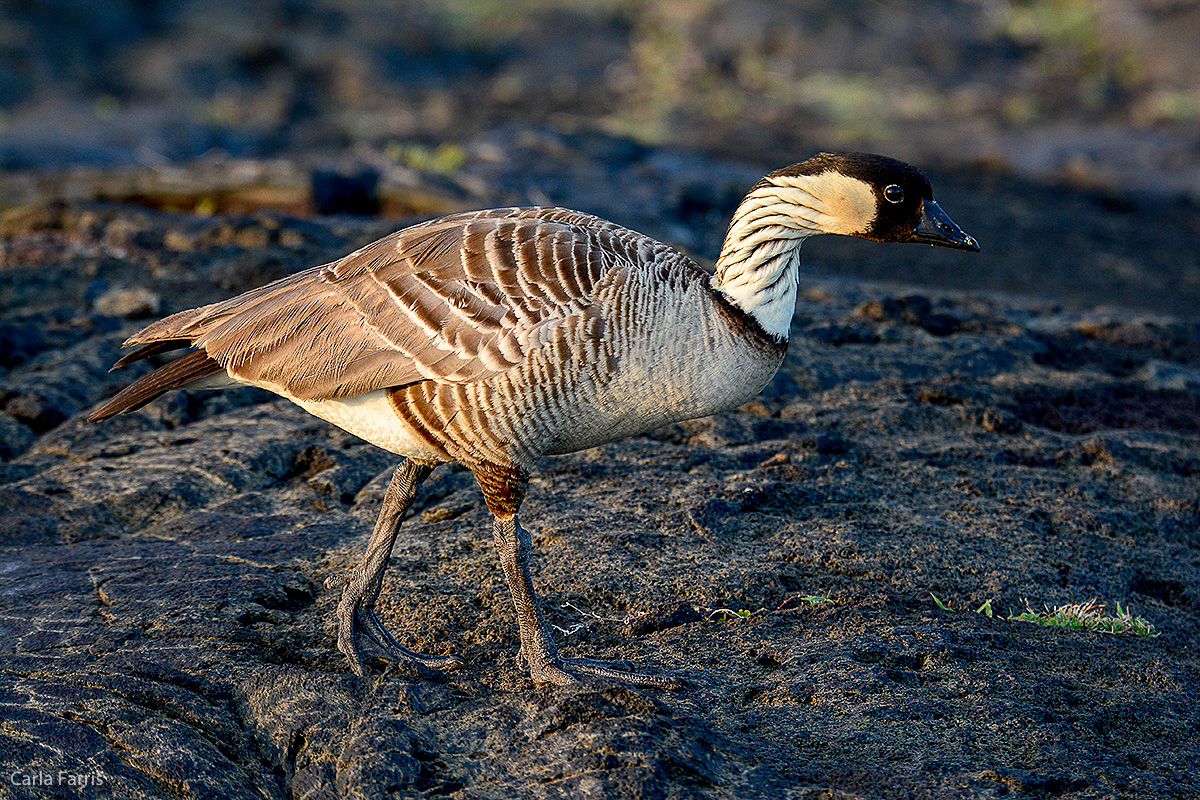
(361, 634)
(545, 664)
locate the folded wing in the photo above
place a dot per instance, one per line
(454, 300)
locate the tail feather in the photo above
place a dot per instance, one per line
(180, 372)
(190, 325)
(148, 350)
(177, 331)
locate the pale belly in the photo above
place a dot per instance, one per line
(371, 418)
(368, 416)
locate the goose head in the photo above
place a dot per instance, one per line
(869, 196)
(854, 194)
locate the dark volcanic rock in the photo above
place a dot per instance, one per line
(163, 626)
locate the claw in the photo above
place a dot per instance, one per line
(362, 635)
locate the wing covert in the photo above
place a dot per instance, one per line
(454, 299)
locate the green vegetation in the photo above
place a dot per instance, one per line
(446, 158)
(1088, 615)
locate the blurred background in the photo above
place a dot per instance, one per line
(418, 106)
(1087, 89)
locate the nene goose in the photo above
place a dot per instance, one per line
(495, 337)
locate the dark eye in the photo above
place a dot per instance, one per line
(893, 194)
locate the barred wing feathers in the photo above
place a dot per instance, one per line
(456, 299)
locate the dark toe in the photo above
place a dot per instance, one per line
(562, 671)
(361, 636)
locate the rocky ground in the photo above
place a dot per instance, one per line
(832, 568)
(165, 629)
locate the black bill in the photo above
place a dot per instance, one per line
(937, 228)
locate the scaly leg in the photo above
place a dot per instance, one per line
(360, 632)
(537, 647)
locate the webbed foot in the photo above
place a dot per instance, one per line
(362, 635)
(562, 671)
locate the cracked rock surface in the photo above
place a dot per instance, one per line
(163, 625)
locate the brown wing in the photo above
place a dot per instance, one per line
(455, 299)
